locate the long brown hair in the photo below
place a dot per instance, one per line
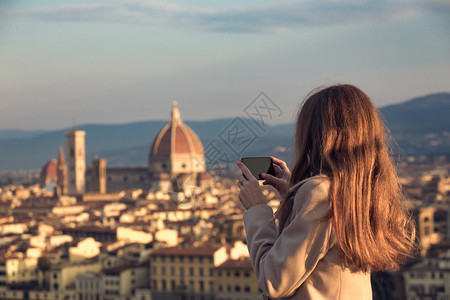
(340, 134)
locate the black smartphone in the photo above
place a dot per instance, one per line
(258, 165)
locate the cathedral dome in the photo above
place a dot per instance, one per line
(49, 173)
(176, 148)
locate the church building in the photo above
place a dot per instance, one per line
(175, 163)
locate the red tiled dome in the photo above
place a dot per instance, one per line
(176, 138)
(50, 169)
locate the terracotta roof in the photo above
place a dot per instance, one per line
(117, 270)
(204, 176)
(237, 264)
(191, 251)
(88, 229)
(50, 169)
(176, 137)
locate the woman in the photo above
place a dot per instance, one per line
(340, 217)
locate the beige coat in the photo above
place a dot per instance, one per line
(301, 261)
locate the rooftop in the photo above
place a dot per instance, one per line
(237, 264)
(191, 251)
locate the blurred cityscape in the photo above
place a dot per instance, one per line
(174, 229)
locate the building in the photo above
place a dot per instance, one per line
(49, 174)
(3, 274)
(236, 280)
(176, 156)
(76, 161)
(176, 164)
(178, 273)
(123, 282)
(62, 276)
(425, 227)
(87, 248)
(61, 186)
(428, 279)
(89, 286)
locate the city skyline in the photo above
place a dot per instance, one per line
(119, 62)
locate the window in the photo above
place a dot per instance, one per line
(172, 270)
(163, 284)
(237, 288)
(202, 288)
(211, 271)
(163, 270)
(246, 274)
(237, 274)
(191, 271)
(247, 288)
(181, 271)
(200, 270)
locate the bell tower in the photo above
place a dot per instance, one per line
(76, 161)
(62, 174)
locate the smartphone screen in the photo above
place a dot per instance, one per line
(258, 165)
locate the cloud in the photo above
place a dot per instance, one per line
(281, 16)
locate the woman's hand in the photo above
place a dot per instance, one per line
(251, 193)
(281, 179)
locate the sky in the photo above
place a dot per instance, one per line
(64, 63)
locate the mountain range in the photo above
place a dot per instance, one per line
(418, 126)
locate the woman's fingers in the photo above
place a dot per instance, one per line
(273, 181)
(282, 167)
(245, 171)
(278, 171)
(280, 184)
(241, 178)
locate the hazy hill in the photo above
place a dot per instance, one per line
(420, 125)
(428, 114)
